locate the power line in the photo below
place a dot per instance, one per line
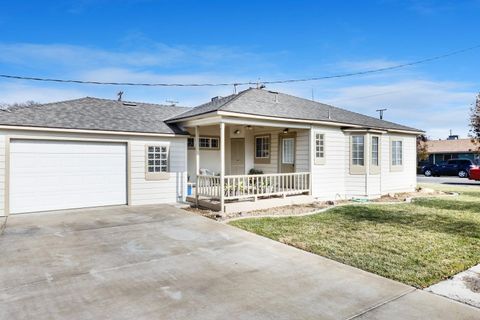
(367, 96)
(235, 84)
(379, 69)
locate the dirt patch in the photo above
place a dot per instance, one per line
(278, 211)
(301, 209)
(406, 196)
(472, 283)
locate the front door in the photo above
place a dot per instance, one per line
(237, 156)
(287, 153)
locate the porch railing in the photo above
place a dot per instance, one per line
(253, 186)
(208, 186)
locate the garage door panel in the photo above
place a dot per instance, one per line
(50, 184)
(52, 175)
(72, 147)
(67, 168)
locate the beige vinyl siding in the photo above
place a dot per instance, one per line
(302, 158)
(141, 191)
(272, 166)
(355, 184)
(404, 180)
(2, 173)
(375, 185)
(160, 191)
(209, 158)
(328, 179)
(302, 163)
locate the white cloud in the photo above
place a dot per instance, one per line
(363, 65)
(71, 55)
(150, 55)
(434, 106)
(186, 96)
(21, 92)
(412, 98)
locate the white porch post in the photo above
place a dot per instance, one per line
(197, 161)
(222, 166)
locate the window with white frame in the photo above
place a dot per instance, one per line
(375, 151)
(288, 150)
(319, 148)
(397, 153)
(262, 147)
(205, 143)
(157, 159)
(191, 143)
(358, 147)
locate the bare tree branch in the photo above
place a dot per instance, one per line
(475, 123)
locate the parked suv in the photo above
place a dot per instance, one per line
(452, 167)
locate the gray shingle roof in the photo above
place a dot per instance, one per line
(267, 103)
(96, 114)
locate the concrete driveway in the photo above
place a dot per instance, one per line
(160, 262)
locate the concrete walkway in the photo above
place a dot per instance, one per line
(463, 287)
(159, 262)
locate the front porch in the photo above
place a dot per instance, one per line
(251, 192)
(248, 166)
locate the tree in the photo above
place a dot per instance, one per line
(17, 105)
(422, 147)
(475, 123)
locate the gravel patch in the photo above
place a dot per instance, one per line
(463, 287)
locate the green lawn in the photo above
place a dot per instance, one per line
(418, 244)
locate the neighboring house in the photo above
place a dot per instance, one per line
(453, 147)
(93, 152)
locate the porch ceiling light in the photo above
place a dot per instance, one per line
(249, 127)
(285, 131)
(236, 131)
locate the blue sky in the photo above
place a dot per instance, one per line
(226, 41)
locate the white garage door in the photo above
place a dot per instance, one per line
(53, 175)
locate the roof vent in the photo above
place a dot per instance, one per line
(216, 98)
(129, 104)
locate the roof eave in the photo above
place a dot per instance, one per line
(324, 122)
(192, 117)
(96, 131)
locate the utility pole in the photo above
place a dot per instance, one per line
(381, 112)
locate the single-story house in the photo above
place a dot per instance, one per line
(96, 152)
(453, 147)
